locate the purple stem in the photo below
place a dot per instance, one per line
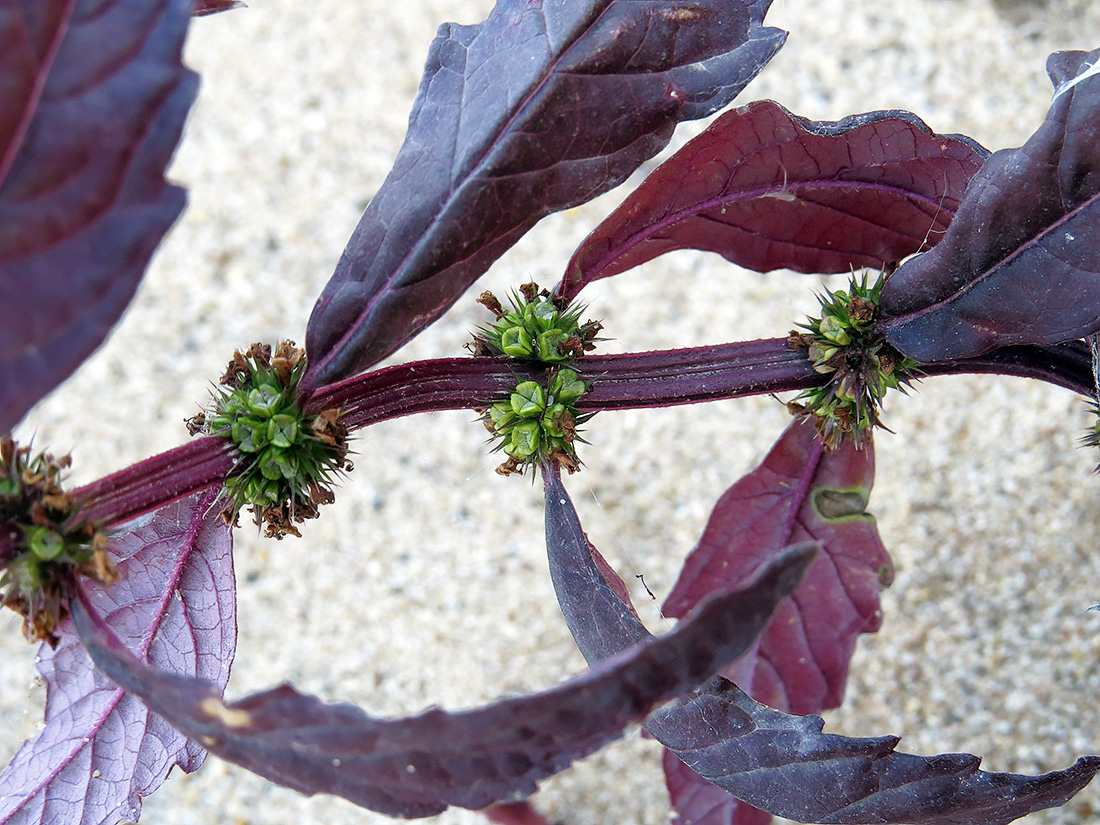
(150, 484)
(628, 381)
(689, 376)
(1067, 365)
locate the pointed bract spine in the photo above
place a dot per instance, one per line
(843, 342)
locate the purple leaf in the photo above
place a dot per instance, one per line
(540, 108)
(800, 662)
(514, 813)
(419, 765)
(698, 802)
(1020, 264)
(101, 751)
(769, 190)
(91, 108)
(204, 7)
(800, 492)
(778, 762)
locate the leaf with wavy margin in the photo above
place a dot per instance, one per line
(420, 765)
(1020, 264)
(800, 492)
(101, 751)
(767, 190)
(91, 108)
(543, 106)
(781, 763)
(800, 663)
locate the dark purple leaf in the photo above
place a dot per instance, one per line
(204, 7)
(1020, 264)
(593, 598)
(800, 492)
(769, 190)
(91, 108)
(540, 108)
(101, 751)
(420, 765)
(800, 662)
(781, 763)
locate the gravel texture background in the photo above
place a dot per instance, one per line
(426, 583)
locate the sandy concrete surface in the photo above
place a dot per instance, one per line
(426, 582)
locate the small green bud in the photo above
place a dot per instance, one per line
(819, 355)
(264, 399)
(282, 430)
(548, 345)
(250, 434)
(44, 543)
(544, 313)
(534, 328)
(835, 330)
(551, 421)
(566, 386)
(287, 459)
(529, 399)
(845, 344)
(516, 342)
(524, 440)
(501, 414)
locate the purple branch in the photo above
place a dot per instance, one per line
(150, 484)
(619, 382)
(689, 376)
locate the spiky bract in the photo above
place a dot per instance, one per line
(43, 545)
(288, 461)
(536, 327)
(539, 423)
(843, 343)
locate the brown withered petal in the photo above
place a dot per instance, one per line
(491, 303)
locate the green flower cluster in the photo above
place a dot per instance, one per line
(288, 460)
(537, 327)
(537, 423)
(43, 546)
(843, 342)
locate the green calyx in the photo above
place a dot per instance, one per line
(539, 423)
(843, 343)
(43, 545)
(536, 327)
(288, 461)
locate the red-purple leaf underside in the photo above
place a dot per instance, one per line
(515, 813)
(91, 110)
(781, 763)
(697, 802)
(541, 107)
(419, 765)
(1020, 264)
(769, 190)
(800, 663)
(101, 751)
(800, 492)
